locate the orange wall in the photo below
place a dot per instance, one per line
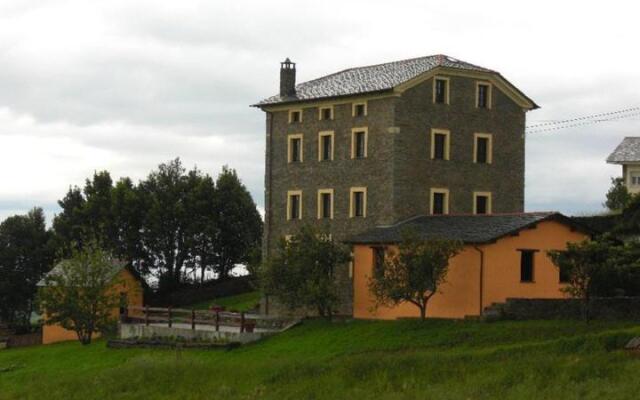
(460, 295)
(126, 283)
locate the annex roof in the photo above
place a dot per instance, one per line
(470, 229)
(375, 78)
(628, 151)
(58, 268)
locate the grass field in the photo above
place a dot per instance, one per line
(241, 302)
(348, 360)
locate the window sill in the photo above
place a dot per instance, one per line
(528, 282)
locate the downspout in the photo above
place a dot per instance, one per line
(481, 277)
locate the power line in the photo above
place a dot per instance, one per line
(565, 121)
(590, 122)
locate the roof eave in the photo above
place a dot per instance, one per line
(319, 99)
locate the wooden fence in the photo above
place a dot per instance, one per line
(170, 316)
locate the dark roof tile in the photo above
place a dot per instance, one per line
(373, 78)
(466, 228)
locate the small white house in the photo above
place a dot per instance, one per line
(627, 154)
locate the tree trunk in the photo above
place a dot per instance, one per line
(423, 312)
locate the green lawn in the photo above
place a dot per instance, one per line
(241, 302)
(349, 360)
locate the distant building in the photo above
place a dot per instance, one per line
(627, 154)
(374, 145)
(127, 285)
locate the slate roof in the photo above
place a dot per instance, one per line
(373, 78)
(117, 267)
(627, 151)
(471, 229)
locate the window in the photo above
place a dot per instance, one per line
(440, 144)
(482, 203)
(359, 109)
(358, 202)
(295, 148)
(483, 95)
(441, 90)
(325, 146)
(359, 142)
(526, 265)
(325, 204)
(326, 113)
(635, 178)
(295, 116)
(483, 148)
(294, 204)
(439, 201)
(378, 259)
(564, 275)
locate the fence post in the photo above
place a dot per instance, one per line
(217, 320)
(242, 322)
(146, 315)
(169, 312)
(193, 319)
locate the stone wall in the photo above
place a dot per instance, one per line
(397, 172)
(415, 172)
(602, 308)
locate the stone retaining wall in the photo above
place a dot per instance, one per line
(602, 308)
(130, 331)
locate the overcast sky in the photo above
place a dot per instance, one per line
(125, 85)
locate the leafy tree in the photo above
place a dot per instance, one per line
(76, 295)
(128, 214)
(26, 255)
(237, 221)
(618, 197)
(202, 231)
(586, 266)
(70, 226)
(414, 272)
(301, 272)
(165, 222)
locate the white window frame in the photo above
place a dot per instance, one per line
(353, 141)
(489, 138)
(447, 142)
(290, 139)
(291, 193)
(322, 134)
(447, 199)
(320, 205)
(352, 204)
(489, 197)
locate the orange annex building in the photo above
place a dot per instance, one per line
(126, 284)
(504, 256)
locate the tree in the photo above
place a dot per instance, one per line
(237, 221)
(414, 272)
(165, 222)
(26, 255)
(618, 197)
(301, 272)
(585, 266)
(76, 295)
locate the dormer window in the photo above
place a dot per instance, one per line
(326, 113)
(441, 90)
(295, 116)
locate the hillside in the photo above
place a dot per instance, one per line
(358, 359)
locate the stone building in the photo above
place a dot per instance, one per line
(371, 146)
(627, 154)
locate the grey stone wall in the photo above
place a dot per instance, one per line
(601, 308)
(415, 173)
(398, 171)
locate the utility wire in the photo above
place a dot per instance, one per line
(589, 122)
(565, 121)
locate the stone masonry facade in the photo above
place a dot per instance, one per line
(398, 171)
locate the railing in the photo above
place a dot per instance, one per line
(170, 316)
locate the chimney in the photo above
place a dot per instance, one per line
(287, 78)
